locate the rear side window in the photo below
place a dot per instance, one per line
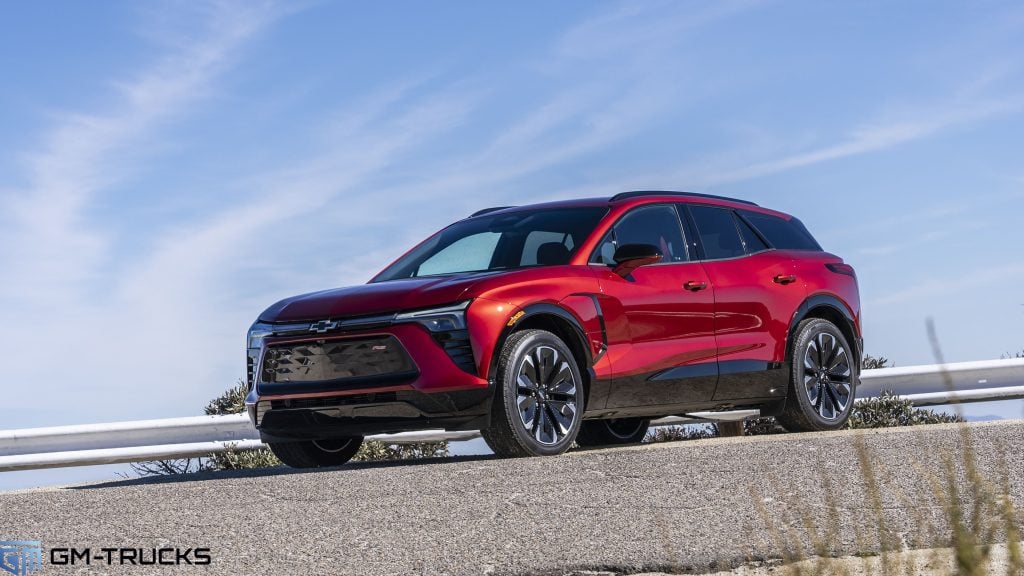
(783, 234)
(717, 230)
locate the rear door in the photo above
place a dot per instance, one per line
(660, 318)
(756, 291)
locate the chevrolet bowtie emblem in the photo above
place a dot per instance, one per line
(323, 326)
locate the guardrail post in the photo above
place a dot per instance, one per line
(734, 428)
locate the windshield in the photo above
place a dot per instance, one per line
(499, 242)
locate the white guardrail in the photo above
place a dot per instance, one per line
(195, 436)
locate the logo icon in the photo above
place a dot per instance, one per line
(323, 326)
(21, 557)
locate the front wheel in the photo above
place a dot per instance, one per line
(316, 453)
(613, 431)
(824, 377)
(538, 400)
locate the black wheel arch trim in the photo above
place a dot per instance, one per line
(835, 304)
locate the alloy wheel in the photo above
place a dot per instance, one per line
(827, 376)
(547, 396)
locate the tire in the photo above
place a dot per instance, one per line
(823, 379)
(551, 398)
(316, 453)
(614, 431)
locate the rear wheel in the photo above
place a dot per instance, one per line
(613, 431)
(316, 453)
(538, 402)
(824, 377)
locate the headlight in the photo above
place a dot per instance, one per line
(442, 319)
(257, 333)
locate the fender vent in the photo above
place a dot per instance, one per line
(456, 345)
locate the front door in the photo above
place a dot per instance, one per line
(661, 342)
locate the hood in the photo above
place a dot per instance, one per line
(378, 298)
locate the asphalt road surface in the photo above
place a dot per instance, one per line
(676, 507)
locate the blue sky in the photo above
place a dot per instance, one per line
(170, 169)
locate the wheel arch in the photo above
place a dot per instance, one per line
(831, 308)
(560, 322)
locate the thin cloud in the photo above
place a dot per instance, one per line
(970, 280)
(641, 29)
(873, 138)
(85, 153)
(58, 249)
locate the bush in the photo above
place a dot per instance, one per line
(687, 432)
(888, 410)
(870, 362)
(761, 426)
(232, 401)
(371, 451)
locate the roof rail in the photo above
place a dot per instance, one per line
(489, 210)
(639, 193)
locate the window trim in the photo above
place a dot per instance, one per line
(611, 232)
(737, 219)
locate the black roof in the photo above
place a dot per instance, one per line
(489, 210)
(640, 193)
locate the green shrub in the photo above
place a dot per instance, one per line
(687, 432)
(242, 459)
(870, 362)
(371, 451)
(761, 426)
(888, 410)
(232, 401)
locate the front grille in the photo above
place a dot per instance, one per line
(456, 345)
(322, 361)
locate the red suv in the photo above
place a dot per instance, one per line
(567, 321)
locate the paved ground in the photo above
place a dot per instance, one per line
(694, 506)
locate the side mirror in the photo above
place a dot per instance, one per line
(629, 257)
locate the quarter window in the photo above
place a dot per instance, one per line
(783, 234)
(657, 225)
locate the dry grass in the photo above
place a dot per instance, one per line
(976, 513)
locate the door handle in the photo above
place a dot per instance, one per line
(694, 285)
(784, 279)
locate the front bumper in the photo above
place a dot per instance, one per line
(388, 379)
(373, 413)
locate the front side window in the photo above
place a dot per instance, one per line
(544, 246)
(539, 237)
(656, 225)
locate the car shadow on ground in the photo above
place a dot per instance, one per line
(276, 471)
